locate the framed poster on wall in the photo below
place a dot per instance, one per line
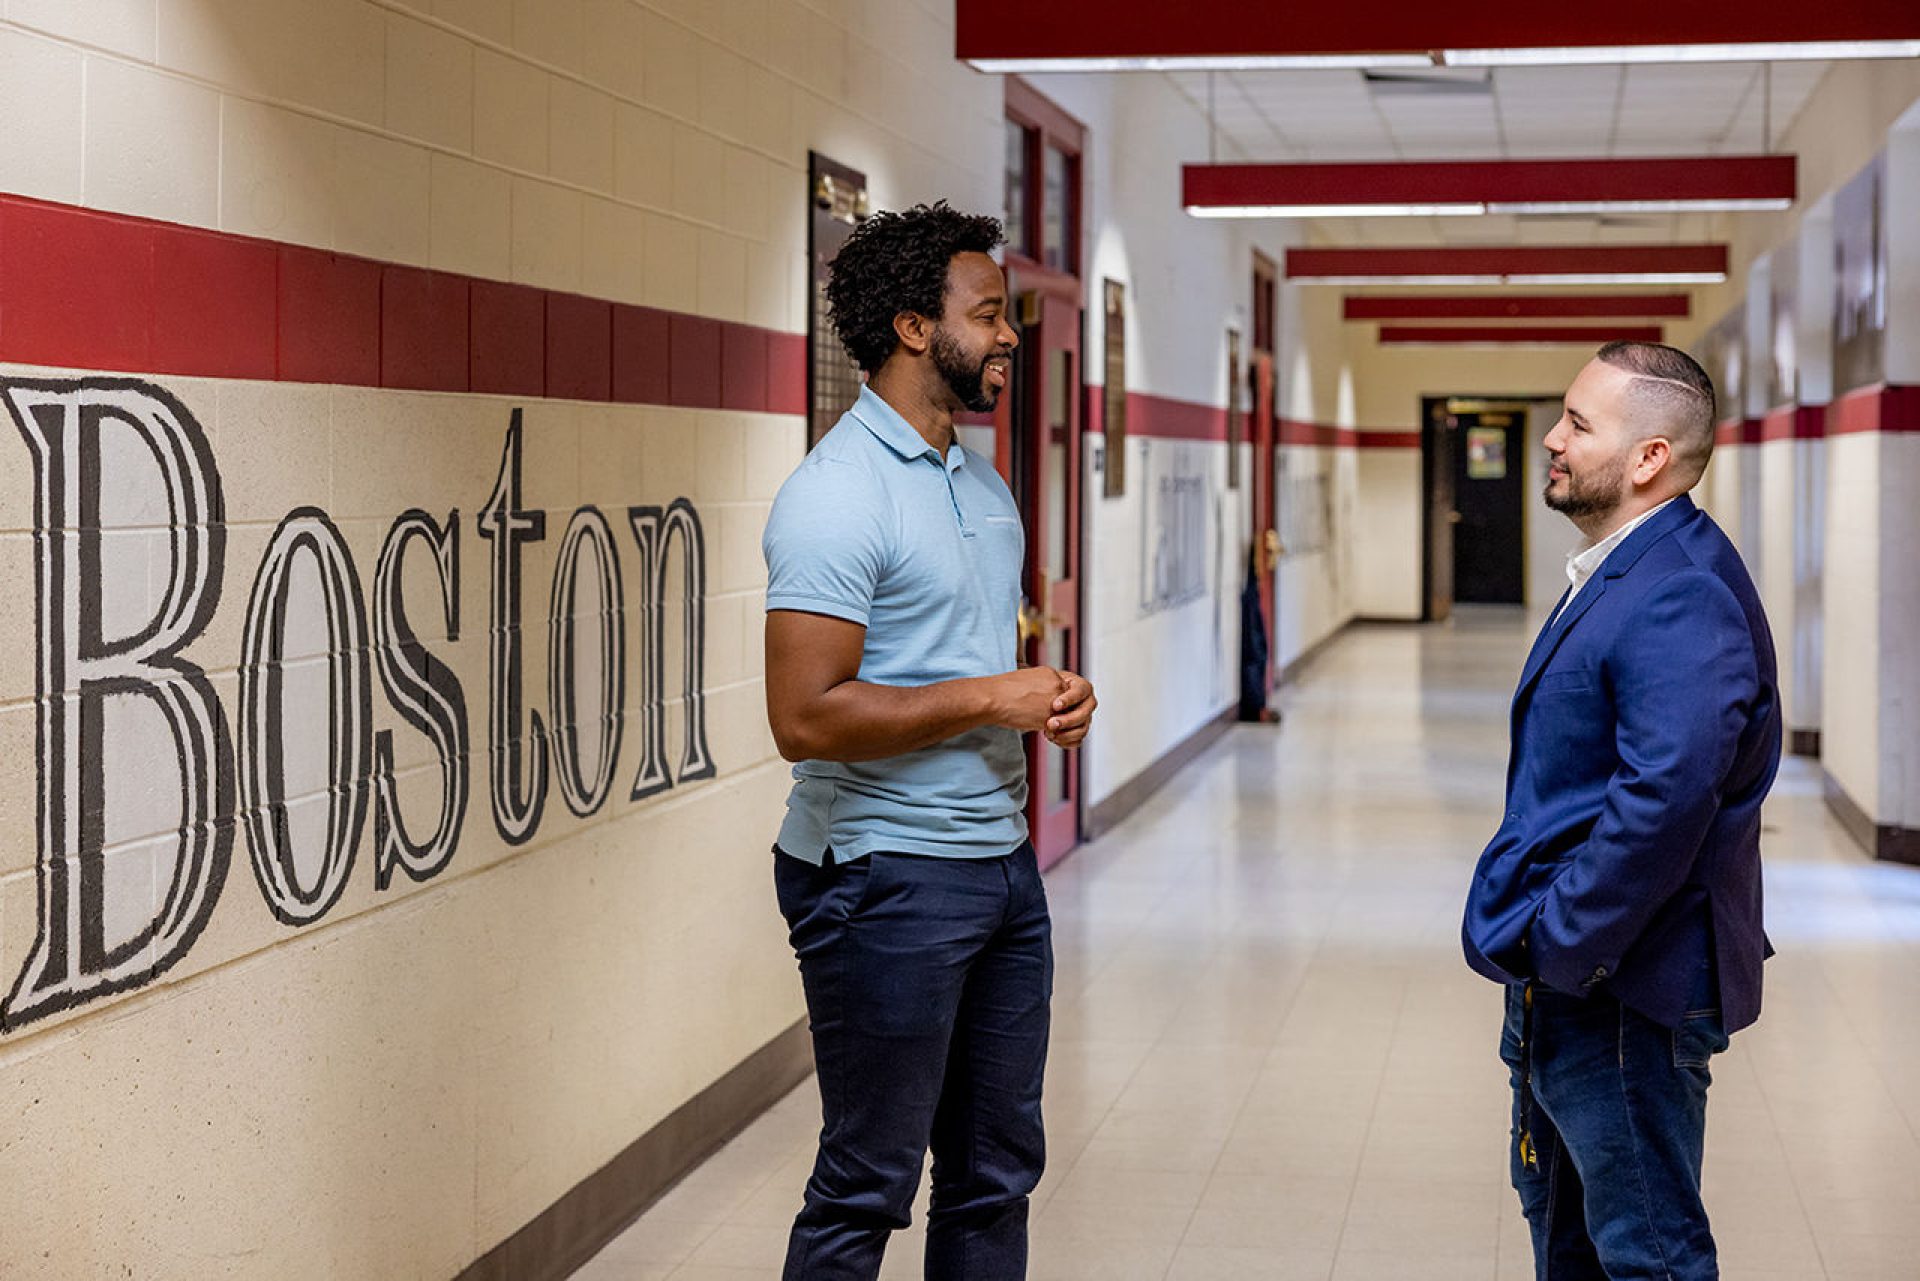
(1784, 320)
(1860, 279)
(836, 204)
(1113, 404)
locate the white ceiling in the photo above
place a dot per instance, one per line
(1523, 113)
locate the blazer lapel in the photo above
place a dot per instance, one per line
(1556, 631)
(1622, 560)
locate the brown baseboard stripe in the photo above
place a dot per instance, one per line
(1885, 841)
(573, 1229)
(1805, 742)
(1133, 793)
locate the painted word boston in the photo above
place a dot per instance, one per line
(130, 547)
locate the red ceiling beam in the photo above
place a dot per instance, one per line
(1509, 335)
(1517, 307)
(1722, 181)
(1444, 264)
(1020, 29)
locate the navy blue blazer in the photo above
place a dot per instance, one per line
(1646, 732)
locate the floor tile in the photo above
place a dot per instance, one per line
(1269, 1061)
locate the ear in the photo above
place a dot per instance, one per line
(1655, 454)
(914, 330)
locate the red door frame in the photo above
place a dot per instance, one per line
(1050, 303)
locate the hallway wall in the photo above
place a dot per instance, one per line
(1816, 473)
(361, 316)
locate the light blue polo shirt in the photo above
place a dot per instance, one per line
(876, 528)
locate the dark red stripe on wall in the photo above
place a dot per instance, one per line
(91, 290)
(1164, 418)
(1877, 408)
(1794, 422)
(1293, 432)
(1738, 431)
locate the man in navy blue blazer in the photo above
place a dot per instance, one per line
(1620, 900)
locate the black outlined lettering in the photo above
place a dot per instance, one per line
(263, 732)
(81, 671)
(426, 693)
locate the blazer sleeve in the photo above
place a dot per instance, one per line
(1685, 683)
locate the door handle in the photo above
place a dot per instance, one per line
(1033, 623)
(1454, 518)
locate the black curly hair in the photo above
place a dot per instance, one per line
(895, 262)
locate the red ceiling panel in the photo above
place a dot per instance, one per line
(1516, 306)
(1137, 28)
(1457, 261)
(1503, 335)
(1678, 178)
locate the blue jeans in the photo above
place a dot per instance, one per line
(927, 984)
(1613, 1107)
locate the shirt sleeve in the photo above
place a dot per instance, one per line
(826, 542)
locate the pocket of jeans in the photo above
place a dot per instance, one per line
(1698, 1038)
(855, 888)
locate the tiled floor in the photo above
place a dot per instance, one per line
(1269, 1061)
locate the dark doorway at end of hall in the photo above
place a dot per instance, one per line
(1474, 475)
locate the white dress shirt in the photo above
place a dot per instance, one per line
(1583, 565)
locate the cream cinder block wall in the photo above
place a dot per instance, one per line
(1850, 740)
(1844, 122)
(398, 1085)
(1320, 575)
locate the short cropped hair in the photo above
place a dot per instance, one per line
(897, 262)
(1671, 396)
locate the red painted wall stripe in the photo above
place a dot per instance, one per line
(1794, 422)
(1167, 419)
(1738, 431)
(1164, 418)
(91, 290)
(1878, 408)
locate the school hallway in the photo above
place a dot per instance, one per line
(1269, 1060)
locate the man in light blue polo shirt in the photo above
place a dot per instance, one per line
(903, 868)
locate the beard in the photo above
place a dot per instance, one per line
(964, 375)
(1592, 495)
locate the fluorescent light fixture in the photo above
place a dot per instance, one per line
(1519, 278)
(1334, 211)
(1210, 62)
(1822, 50)
(1637, 206)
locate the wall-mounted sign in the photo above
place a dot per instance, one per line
(1114, 398)
(1783, 369)
(1722, 352)
(1486, 453)
(1860, 279)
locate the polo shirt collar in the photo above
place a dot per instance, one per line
(896, 433)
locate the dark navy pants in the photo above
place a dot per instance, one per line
(927, 983)
(1615, 1108)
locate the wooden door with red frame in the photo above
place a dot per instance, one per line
(1043, 428)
